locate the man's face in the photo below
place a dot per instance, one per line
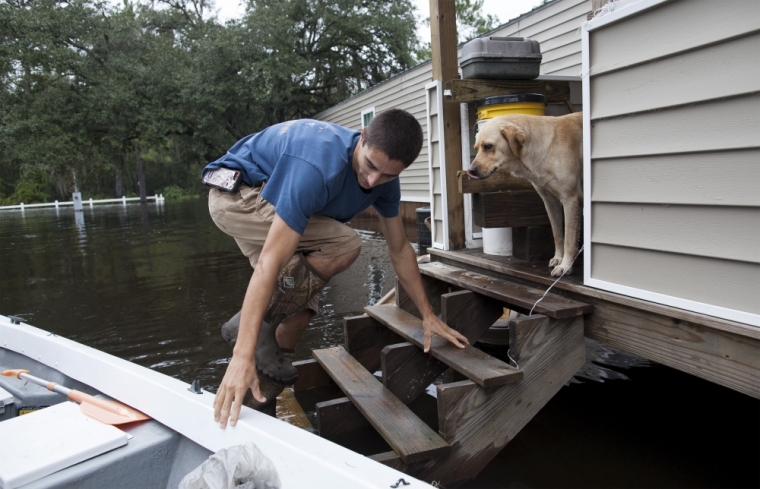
(373, 167)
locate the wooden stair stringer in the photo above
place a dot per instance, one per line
(407, 370)
(408, 435)
(477, 423)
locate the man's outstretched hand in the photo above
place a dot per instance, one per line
(239, 377)
(434, 326)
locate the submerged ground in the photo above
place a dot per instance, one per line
(152, 284)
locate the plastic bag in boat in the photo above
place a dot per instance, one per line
(238, 467)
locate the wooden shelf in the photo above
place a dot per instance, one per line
(497, 182)
(471, 90)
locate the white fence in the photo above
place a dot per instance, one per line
(158, 198)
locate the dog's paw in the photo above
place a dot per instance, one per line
(554, 262)
(559, 269)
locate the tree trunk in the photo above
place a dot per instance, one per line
(119, 185)
(140, 174)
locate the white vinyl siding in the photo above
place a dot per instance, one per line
(672, 209)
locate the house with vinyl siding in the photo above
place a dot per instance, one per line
(555, 25)
(671, 96)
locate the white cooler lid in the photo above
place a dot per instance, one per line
(51, 439)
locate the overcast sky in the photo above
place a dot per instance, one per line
(505, 10)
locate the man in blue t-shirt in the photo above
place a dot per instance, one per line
(301, 181)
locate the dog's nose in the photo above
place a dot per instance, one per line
(473, 172)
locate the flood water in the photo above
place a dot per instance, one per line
(152, 284)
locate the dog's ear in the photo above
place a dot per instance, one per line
(514, 136)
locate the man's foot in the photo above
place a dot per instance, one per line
(272, 361)
(230, 329)
(296, 284)
(270, 390)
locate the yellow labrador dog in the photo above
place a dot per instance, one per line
(547, 151)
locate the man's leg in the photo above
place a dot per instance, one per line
(330, 248)
(290, 329)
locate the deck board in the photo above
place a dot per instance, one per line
(481, 368)
(516, 295)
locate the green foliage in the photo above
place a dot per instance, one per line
(470, 21)
(173, 192)
(30, 190)
(86, 82)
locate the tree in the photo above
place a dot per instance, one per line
(470, 24)
(470, 21)
(88, 87)
(316, 53)
(42, 48)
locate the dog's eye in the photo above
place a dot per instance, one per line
(487, 147)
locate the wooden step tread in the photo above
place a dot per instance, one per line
(481, 368)
(554, 306)
(407, 434)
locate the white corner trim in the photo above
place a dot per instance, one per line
(586, 94)
(437, 86)
(442, 154)
(669, 300)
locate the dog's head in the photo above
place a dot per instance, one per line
(499, 144)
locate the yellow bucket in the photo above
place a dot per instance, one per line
(521, 103)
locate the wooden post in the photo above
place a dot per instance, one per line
(443, 31)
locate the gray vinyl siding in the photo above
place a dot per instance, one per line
(555, 26)
(404, 91)
(675, 152)
(710, 280)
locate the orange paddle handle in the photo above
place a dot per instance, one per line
(81, 397)
(15, 372)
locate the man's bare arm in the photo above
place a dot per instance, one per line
(279, 247)
(404, 263)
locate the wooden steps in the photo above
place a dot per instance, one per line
(514, 295)
(481, 368)
(409, 436)
(477, 416)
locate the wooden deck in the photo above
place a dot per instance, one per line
(718, 350)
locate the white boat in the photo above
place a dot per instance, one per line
(180, 436)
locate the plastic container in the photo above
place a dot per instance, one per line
(519, 103)
(502, 58)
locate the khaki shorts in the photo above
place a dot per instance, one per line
(247, 217)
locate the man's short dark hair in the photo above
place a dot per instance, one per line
(396, 133)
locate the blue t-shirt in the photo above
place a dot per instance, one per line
(307, 167)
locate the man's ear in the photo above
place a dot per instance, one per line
(363, 136)
(514, 136)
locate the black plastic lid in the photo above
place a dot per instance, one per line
(511, 99)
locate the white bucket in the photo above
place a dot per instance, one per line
(497, 241)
